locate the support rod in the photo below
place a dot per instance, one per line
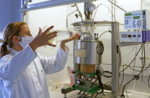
(115, 63)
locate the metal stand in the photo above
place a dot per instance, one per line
(115, 65)
(115, 48)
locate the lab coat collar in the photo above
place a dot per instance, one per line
(12, 51)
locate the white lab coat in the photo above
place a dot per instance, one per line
(23, 73)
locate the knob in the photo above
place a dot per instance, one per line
(129, 35)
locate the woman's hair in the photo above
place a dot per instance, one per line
(12, 29)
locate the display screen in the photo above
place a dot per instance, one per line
(124, 35)
(128, 14)
(136, 17)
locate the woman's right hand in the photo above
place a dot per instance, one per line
(43, 38)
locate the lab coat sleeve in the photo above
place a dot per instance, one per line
(55, 64)
(11, 67)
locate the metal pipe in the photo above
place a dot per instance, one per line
(117, 6)
(24, 4)
(112, 19)
(115, 65)
(87, 12)
(74, 64)
(67, 18)
(141, 5)
(51, 3)
(80, 14)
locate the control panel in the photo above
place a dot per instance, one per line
(137, 20)
(135, 36)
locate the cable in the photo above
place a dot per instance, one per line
(122, 77)
(127, 91)
(97, 9)
(133, 59)
(120, 60)
(143, 62)
(136, 45)
(114, 11)
(131, 50)
(139, 70)
(134, 76)
(117, 6)
(104, 33)
(122, 95)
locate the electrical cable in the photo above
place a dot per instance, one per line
(142, 67)
(97, 9)
(130, 67)
(135, 56)
(131, 50)
(125, 86)
(99, 79)
(122, 78)
(117, 6)
(127, 91)
(134, 76)
(103, 33)
(143, 62)
(132, 60)
(139, 70)
(137, 34)
(120, 60)
(114, 11)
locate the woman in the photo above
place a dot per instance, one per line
(22, 70)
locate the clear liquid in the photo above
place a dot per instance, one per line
(61, 35)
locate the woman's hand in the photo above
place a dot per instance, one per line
(75, 36)
(43, 38)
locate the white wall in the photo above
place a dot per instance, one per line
(57, 16)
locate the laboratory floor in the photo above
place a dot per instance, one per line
(57, 94)
(131, 94)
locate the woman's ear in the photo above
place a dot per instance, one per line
(16, 39)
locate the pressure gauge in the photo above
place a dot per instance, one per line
(92, 7)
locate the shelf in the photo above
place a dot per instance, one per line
(95, 23)
(130, 43)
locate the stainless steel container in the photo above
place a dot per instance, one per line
(89, 52)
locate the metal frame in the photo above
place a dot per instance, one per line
(51, 3)
(115, 55)
(115, 64)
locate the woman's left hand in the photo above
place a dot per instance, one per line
(75, 36)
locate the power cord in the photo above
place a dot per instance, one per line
(132, 60)
(136, 77)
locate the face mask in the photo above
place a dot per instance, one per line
(25, 40)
